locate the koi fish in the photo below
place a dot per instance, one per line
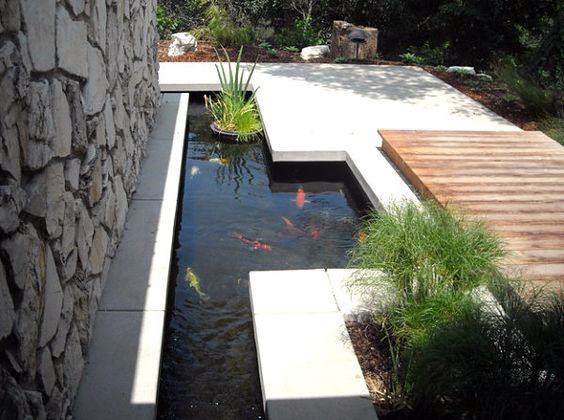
(361, 236)
(194, 171)
(219, 161)
(300, 198)
(253, 243)
(291, 227)
(314, 232)
(194, 282)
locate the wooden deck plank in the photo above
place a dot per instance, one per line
(514, 181)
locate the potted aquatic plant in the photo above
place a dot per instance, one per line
(234, 110)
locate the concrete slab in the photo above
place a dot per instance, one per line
(307, 364)
(293, 291)
(309, 358)
(331, 112)
(123, 362)
(121, 378)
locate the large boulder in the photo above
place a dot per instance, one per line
(182, 42)
(314, 52)
(342, 46)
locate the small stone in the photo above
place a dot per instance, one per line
(121, 205)
(72, 173)
(35, 401)
(10, 151)
(314, 52)
(97, 22)
(95, 188)
(71, 39)
(69, 268)
(53, 300)
(97, 84)
(39, 17)
(46, 371)
(79, 136)
(182, 42)
(485, 77)
(25, 255)
(74, 362)
(10, 17)
(88, 160)
(69, 225)
(58, 343)
(61, 144)
(462, 70)
(7, 313)
(98, 250)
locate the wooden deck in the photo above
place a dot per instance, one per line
(512, 180)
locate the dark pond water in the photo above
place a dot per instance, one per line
(240, 213)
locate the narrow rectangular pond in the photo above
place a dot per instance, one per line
(239, 213)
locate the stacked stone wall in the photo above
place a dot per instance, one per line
(78, 96)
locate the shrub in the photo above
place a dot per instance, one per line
(166, 24)
(534, 97)
(411, 58)
(553, 127)
(426, 250)
(300, 35)
(223, 30)
(495, 364)
(233, 109)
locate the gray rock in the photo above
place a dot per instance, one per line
(182, 42)
(88, 160)
(69, 225)
(41, 125)
(25, 255)
(58, 343)
(314, 52)
(61, 144)
(98, 250)
(46, 197)
(97, 27)
(53, 300)
(14, 403)
(121, 205)
(10, 18)
(95, 187)
(36, 155)
(35, 401)
(79, 136)
(462, 70)
(10, 151)
(46, 371)
(71, 42)
(84, 236)
(485, 77)
(77, 6)
(39, 17)
(74, 362)
(97, 84)
(7, 313)
(69, 268)
(72, 173)
(12, 201)
(109, 124)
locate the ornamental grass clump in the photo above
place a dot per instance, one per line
(233, 109)
(464, 341)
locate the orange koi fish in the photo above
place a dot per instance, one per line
(291, 227)
(253, 243)
(300, 198)
(314, 232)
(361, 236)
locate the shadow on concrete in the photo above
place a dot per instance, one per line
(327, 408)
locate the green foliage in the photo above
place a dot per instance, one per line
(412, 58)
(273, 52)
(490, 363)
(553, 127)
(233, 109)
(223, 30)
(166, 24)
(301, 34)
(426, 250)
(426, 55)
(291, 49)
(341, 60)
(530, 93)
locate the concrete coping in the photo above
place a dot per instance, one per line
(121, 378)
(307, 365)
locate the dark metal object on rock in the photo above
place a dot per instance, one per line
(358, 36)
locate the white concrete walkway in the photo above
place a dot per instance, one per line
(321, 112)
(307, 364)
(121, 378)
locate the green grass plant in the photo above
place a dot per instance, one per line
(553, 127)
(233, 109)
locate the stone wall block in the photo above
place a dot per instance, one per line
(39, 17)
(7, 313)
(84, 236)
(53, 298)
(71, 40)
(46, 371)
(58, 343)
(97, 84)
(12, 201)
(61, 143)
(74, 362)
(98, 250)
(72, 174)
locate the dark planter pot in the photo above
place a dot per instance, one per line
(229, 136)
